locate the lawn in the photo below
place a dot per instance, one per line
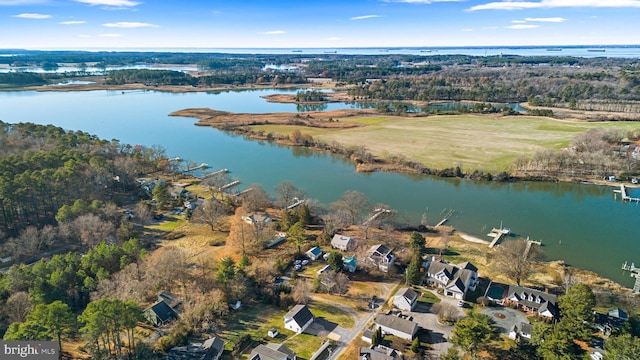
(487, 143)
(169, 223)
(332, 314)
(427, 296)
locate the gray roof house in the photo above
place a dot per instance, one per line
(258, 219)
(379, 352)
(529, 300)
(396, 326)
(210, 349)
(381, 256)
(613, 319)
(405, 299)
(298, 318)
(522, 330)
(456, 280)
(342, 242)
(160, 313)
(272, 351)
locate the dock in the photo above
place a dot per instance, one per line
(635, 273)
(528, 248)
(444, 220)
(212, 174)
(377, 213)
(497, 235)
(624, 195)
(197, 167)
(296, 204)
(243, 192)
(231, 184)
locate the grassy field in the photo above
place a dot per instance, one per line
(472, 142)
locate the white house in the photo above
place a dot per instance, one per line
(381, 256)
(342, 242)
(520, 331)
(298, 318)
(456, 280)
(258, 219)
(405, 299)
(314, 253)
(396, 326)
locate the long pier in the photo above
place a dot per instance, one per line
(231, 184)
(623, 194)
(296, 204)
(635, 272)
(377, 213)
(197, 167)
(444, 220)
(214, 173)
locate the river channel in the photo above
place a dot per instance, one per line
(581, 224)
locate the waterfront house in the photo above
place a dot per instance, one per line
(314, 253)
(298, 318)
(405, 299)
(396, 326)
(258, 219)
(381, 256)
(272, 351)
(342, 242)
(456, 280)
(528, 300)
(614, 319)
(210, 349)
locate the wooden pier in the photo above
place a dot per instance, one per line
(444, 220)
(198, 167)
(623, 194)
(243, 192)
(212, 174)
(377, 213)
(231, 184)
(635, 273)
(497, 235)
(528, 248)
(296, 204)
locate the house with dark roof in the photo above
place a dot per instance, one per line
(210, 349)
(160, 313)
(342, 242)
(405, 299)
(379, 352)
(456, 280)
(519, 331)
(272, 351)
(529, 300)
(314, 253)
(381, 256)
(298, 318)
(614, 319)
(396, 326)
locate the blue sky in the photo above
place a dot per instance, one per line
(118, 24)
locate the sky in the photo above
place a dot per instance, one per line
(215, 24)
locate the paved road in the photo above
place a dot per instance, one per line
(360, 324)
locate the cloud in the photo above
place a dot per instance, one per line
(110, 35)
(128, 25)
(522, 26)
(520, 5)
(365, 17)
(274, 32)
(518, 21)
(77, 22)
(110, 3)
(334, 38)
(20, 2)
(421, 1)
(466, 30)
(32, 16)
(550, 19)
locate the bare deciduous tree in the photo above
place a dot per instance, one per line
(17, 307)
(256, 200)
(211, 212)
(301, 291)
(287, 192)
(514, 262)
(354, 203)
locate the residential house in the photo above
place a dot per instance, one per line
(396, 326)
(258, 219)
(160, 313)
(210, 349)
(456, 280)
(405, 299)
(298, 318)
(272, 351)
(342, 242)
(350, 264)
(529, 300)
(192, 204)
(519, 331)
(379, 352)
(314, 253)
(614, 319)
(381, 256)
(179, 192)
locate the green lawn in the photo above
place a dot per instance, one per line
(473, 142)
(332, 314)
(427, 297)
(169, 223)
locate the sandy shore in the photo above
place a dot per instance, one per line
(472, 239)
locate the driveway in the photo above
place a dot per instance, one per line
(505, 317)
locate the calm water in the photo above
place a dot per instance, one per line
(581, 224)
